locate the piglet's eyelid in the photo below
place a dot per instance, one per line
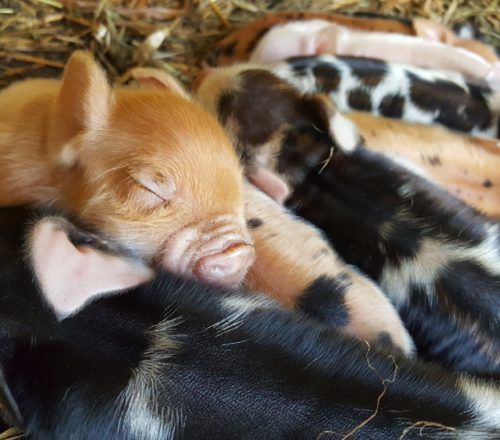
(142, 183)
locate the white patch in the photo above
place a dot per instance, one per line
(485, 399)
(412, 167)
(433, 256)
(239, 307)
(344, 132)
(420, 271)
(305, 83)
(140, 406)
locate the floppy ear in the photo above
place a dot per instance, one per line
(82, 105)
(70, 276)
(343, 131)
(149, 77)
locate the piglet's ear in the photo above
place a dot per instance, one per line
(343, 131)
(149, 77)
(70, 276)
(82, 105)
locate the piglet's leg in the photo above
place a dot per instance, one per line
(296, 266)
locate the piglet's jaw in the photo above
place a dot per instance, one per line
(218, 251)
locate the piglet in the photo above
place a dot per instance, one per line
(296, 265)
(174, 358)
(146, 166)
(436, 258)
(315, 37)
(466, 166)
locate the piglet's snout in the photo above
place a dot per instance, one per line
(227, 267)
(219, 251)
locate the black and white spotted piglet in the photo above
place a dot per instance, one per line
(437, 259)
(173, 359)
(397, 91)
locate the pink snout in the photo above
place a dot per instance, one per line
(226, 268)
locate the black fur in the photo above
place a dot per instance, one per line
(267, 373)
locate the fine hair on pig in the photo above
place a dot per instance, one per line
(146, 166)
(296, 265)
(174, 358)
(437, 259)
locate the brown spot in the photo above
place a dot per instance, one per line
(358, 99)
(254, 223)
(320, 253)
(487, 183)
(434, 160)
(327, 77)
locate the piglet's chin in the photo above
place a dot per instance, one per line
(226, 268)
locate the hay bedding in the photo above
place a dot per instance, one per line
(37, 36)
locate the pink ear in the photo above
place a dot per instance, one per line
(149, 77)
(69, 277)
(270, 183)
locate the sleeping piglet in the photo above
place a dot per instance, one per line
(149, 168)
(464, 165)
(316, 37)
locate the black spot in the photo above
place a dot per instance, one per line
(392, 106)
(369, 71)
(434, 160)
(254, 223)
(454, 107)
(225, 106)
(386, 344)
(324, 300)
(358, 99)
(327, 77)
(487, 183)
(229, 49)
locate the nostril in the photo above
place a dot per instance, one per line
(228, 267)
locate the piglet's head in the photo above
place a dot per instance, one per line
(267, 118)
(152, 170)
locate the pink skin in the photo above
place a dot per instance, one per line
(69, 277)
(270, 183)
(217, 251)
(315, 37)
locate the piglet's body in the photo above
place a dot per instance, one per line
(437, 259)
(397, 91)
(317, 37)
(147, 167)
(175, 359)
(296, 265)
(293, 26)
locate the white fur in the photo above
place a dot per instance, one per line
(139, 407)
(485, 401)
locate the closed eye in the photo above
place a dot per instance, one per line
(154, 191)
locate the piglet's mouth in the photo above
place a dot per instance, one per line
(226, 268)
